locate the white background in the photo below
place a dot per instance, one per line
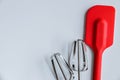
(32, 30)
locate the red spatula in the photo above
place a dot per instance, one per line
(99, 33)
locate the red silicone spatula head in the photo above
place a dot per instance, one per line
(99, 33)
(97, 16)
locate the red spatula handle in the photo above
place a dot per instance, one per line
(99, 46)
(97, 67)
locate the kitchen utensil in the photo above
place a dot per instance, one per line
(99, 33)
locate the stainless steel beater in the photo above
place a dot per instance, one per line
(77, 62)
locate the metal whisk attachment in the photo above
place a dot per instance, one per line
(78, 59)
(77, 62)
(61, 68)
